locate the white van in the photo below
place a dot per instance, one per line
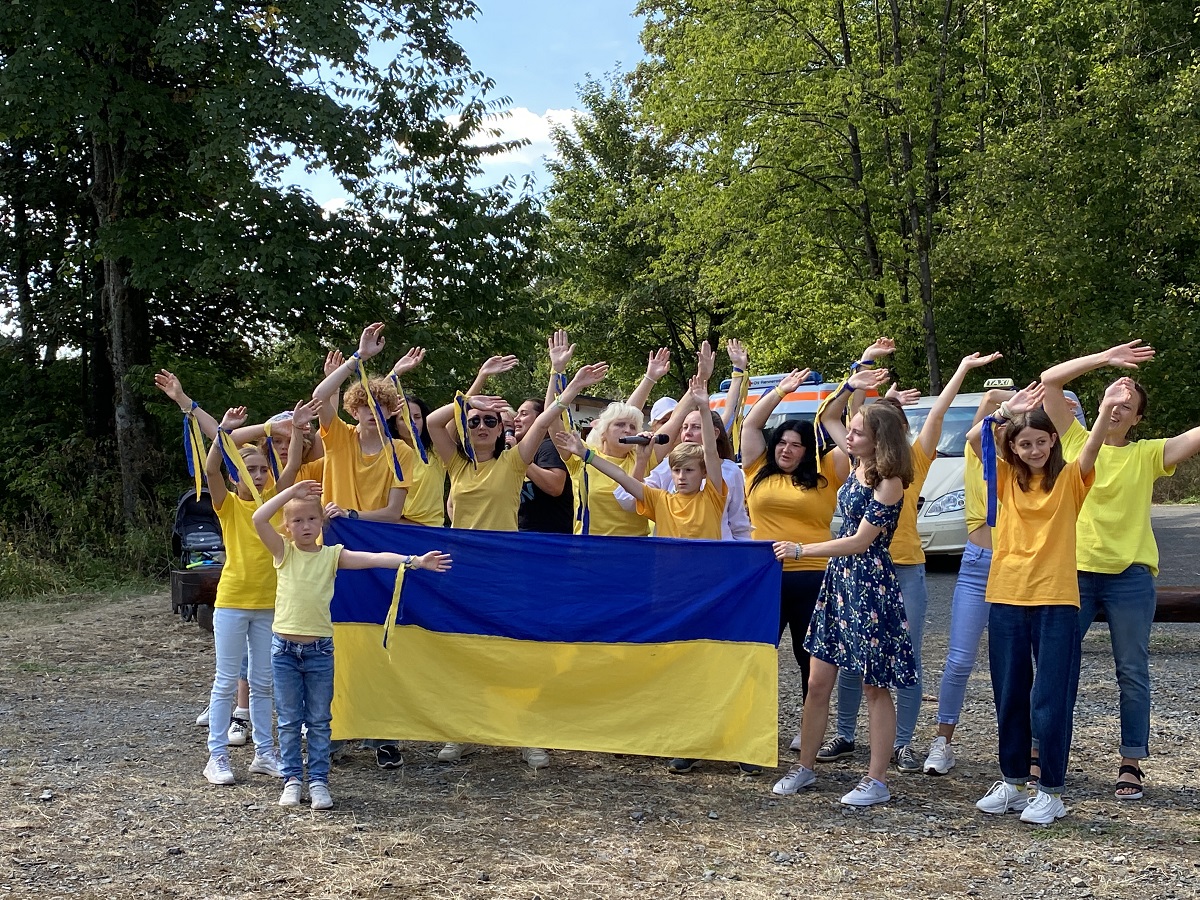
(941, 508)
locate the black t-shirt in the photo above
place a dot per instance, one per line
(539, 510)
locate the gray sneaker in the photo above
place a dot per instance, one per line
(797, 778)
(291, 793)
(905, 760)
(218, 770)
(266, 763)
(837, 747)
(318, 793)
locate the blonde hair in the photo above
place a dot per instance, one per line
(893, 455)
(297, 502)
(614, 412)
(382, 390)
(684, 454)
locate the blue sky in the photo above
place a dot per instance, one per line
(537, 52)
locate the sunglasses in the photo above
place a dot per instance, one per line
(488, 421)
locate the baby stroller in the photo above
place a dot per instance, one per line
(196, 544)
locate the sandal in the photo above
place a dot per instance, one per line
(1130, 790)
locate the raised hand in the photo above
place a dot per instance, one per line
(433, 561)
(495, 365)
(590, 375)
(487, 403)
(333, 361)
(737, 354)
(1117, 393)
(1027, 399)
(1128, 356)
(371, 340)
(706, 361)
(561, 351)
(569, 442)
(793, 380)
(235, 417)
(867, 379)
(974, 361)
(169, 385)
(304, 413)
(882, 347)
(408, 361)
(906, 397)
(698, 388)
(659, 364)
(307, 490)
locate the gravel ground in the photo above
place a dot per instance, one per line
(101, 795)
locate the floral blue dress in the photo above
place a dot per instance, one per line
(859, 622)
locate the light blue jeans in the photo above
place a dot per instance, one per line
(304, 682)
(908, 699)
(240, 634)
(968, 619)
(1127, 601)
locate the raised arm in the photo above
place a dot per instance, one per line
(657, 366)
(754, 444)
(301, 490)
(169, 385)
(370, 342)
(1024, 400)
(493, 365)
(831, 416)
(1122, 356)
(570, 444)
(739, 359)
(440, 425)
(708, 436)
(1119, 392)
(931, 431)
(584, 378)
(217, 491)
(889, 492)
(561, 351)
(302, 415)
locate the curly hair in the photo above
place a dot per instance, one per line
(1035, 419)
(382, 390)
(888, 428)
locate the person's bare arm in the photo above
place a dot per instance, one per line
(739, 358)
(302, 415)
(434, 560)
(572, 444)
(708, 437)
(493, 365)
(1122, 356)
(370, 342)
(586, 377)
(754, 444)
(301, 490)
(217, 491)
(931, 431)
(656, 367)
(1120, 391)
(889, 492)
(169, 385)
(831, 416)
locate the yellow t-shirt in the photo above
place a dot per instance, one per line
(1114, 530)
(974, 491)
(605, 515)
(248, 577)
(426, 500)
(1033, 560)
(685, 515)
(906, 549)
(780, 511)
(312, 471)
(486, 497)
(305, 590)
(354, 481)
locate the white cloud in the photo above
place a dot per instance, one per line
(522, 123)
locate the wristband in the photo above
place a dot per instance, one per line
(408, 562)
(587, 456)
(737, 371)
(799, 547)
(352, 513)
(558, 402)
(1004, 412)
(195, 406)
(862, 364)
(778, 389)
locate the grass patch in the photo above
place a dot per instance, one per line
(33, 610)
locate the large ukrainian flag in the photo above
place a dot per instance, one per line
(618, 645)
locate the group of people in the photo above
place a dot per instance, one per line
(855, 604)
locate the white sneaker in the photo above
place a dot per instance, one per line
(266, 764)
(795, 744)
(292, 792)
(1043, 809)
(868, 793)
(318, 793)
(452, 752)
(239, 733)
(202, 719)
(218, 770)
(1002, 797)
(940, 758)
(536, 757)
(798, 777)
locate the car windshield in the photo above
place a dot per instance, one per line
(954, 427)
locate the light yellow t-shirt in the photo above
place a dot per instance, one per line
(426, 500)
(486, 497)
(780, 511)
(354, 481)
(605, 514)
(1033, 560)
(695, 516)
(1114, 530)
(974, 491)
(248, 577)
(305, 590)
(906, 549)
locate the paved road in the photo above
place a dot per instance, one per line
(1177, 529)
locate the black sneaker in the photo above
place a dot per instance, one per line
(680, 766)
(749, 770)
(388, 756)
(837, 747)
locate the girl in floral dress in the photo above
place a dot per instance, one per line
(859, 622)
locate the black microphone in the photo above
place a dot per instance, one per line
(642, 440)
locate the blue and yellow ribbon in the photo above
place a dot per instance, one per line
(393, 613)
(823, 440)
(235, 465)
(409, 420)
(385, 435)
(462, 407)
(988, 448)
(272, 454)
(193, 449)
(739, 418)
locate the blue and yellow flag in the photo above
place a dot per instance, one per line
(617, 645)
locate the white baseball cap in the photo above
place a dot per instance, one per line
(662, 408)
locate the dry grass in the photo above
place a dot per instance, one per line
(96, 708)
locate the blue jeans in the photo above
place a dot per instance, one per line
(304, 696)
(908, 699)
(1128, 601)
(968, 619)
(1020, 638)
(239, 634)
